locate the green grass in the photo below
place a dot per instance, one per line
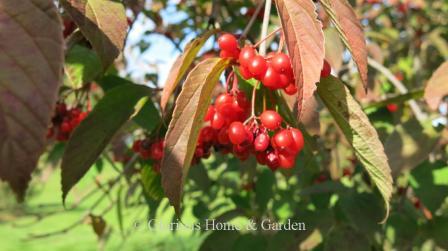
(17, 224)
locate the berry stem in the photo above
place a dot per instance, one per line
(263, 41)
(254, 95)
(265, 26)
(281, 43)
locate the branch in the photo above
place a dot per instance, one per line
(252, 20)
(265, 26)
(419, 114)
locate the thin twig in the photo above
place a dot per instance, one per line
(252, 20)
(265, 26)
(419, 114)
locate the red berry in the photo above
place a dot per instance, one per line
(284, 80)
(223, 103)
(223, 137)
(218, 121)
(291, 89)
(272, 160)
(392, 107)
(283, 139)
(271, 119)
(326, 70)
(271, 79)
(246, 55)
(156, 150)
(261, 158)
(136, 146)
(228, 42)
(298, 141)
(261, 142)
(286, 161)
(258, 66)
(245, 73)
(207, 134)
(237, 133)
(229, 54)
(210, 113)
(281, 63)
(346, 172)
(66, 127)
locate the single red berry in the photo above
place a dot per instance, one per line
(271, 119)
(136, 146)
(417, 203)
(237, 133)
(245, 73)
(210, 113)
(223, 137)
(284, 80)
(228, 42)
(272, 160)
(286, 161)
(218, 121)
(229, 54)
(281, 63)
(271, 78)
(298, 141)
(283, 139)
(156, 150)
(326, 70)
(261, 158)
(246, 55)
(207, 134)
(66, 127)
(199, 152)
(223, 104)
(261, 142)
(346, 172)
(258, 66)
(392, 107)
(291, 89)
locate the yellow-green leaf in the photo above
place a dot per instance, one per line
(183, 131)
(359, 133)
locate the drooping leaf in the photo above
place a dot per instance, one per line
(437, 86)
(103, 23)
(148, 117)
(31, 61)
(183, 131)
(349, 27)
(359, 133)
(305, 42)
(334, 48)
(181, 65)
(81, 66)
(410, 144)
(93, 134)
(151, 182)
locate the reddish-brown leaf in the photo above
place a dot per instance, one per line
(305, 42)
(31, 61)
(350, 29)
(437, 86)
(181, 65)
(183, 131)
(103, 23)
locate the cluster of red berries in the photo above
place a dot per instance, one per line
(274, 71)
(271, 144)
(150, 149)
(65, 121)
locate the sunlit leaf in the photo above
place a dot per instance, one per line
(81, 66)
(181, 65)
(359, 133)
(305, 42)
(437, 86)
(183, 131)
(103, 23)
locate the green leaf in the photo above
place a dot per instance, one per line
(410, 144)
(187, 120)
(181, 65)
(31, 61)
(81, 66)
(103, 23)
(264, 189)
(120, 210)
(148, 117)
(439, 231)
(96, 131)
(359, 133)
(151, 182)
(426, 183)
(109, 82)
(345, 238)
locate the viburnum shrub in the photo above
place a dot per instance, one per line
(64, 121)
